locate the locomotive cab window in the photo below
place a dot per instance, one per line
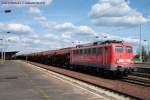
(128, 49)
(119, 49)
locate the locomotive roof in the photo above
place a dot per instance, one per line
(101, 43)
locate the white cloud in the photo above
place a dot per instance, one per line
(131, 40)
(115, 13)
(15, 27)
(18, 27)
(51, 37)
(65, 26)
(67, 35)
(27, 40)
(21, 36)
(34, 10)
(13, 39)
(86, 30)
(68, 30)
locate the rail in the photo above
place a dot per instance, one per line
(146, 63)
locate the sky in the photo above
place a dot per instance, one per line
(53, 24)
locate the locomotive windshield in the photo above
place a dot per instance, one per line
(128, 49)
(119, 49)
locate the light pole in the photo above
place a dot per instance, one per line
(72, 43)
(1, 51)
(6, 11)
(79, 42)
(140, 44)
(146, 51)
(4, 45)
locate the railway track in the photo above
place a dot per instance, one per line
(144, 75)
(137, 80)
(135, 91)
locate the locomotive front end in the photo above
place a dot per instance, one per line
(122, 58)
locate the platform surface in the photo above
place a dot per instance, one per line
(19, 81)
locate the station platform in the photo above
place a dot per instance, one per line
(21, 81)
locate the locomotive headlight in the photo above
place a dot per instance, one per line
(120, 60)
(128, 60)
(124, 60)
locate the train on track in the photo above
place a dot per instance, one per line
(111, 56)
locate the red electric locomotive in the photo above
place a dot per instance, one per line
(109, 56)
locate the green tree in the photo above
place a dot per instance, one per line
(144, 55)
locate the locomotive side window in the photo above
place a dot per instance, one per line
(85, 51)
(128, 49)
(119, 49)
(77, 52)
(74, 52)
(81, 51)
(89, 51)
(93, 50)
(98, 50)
